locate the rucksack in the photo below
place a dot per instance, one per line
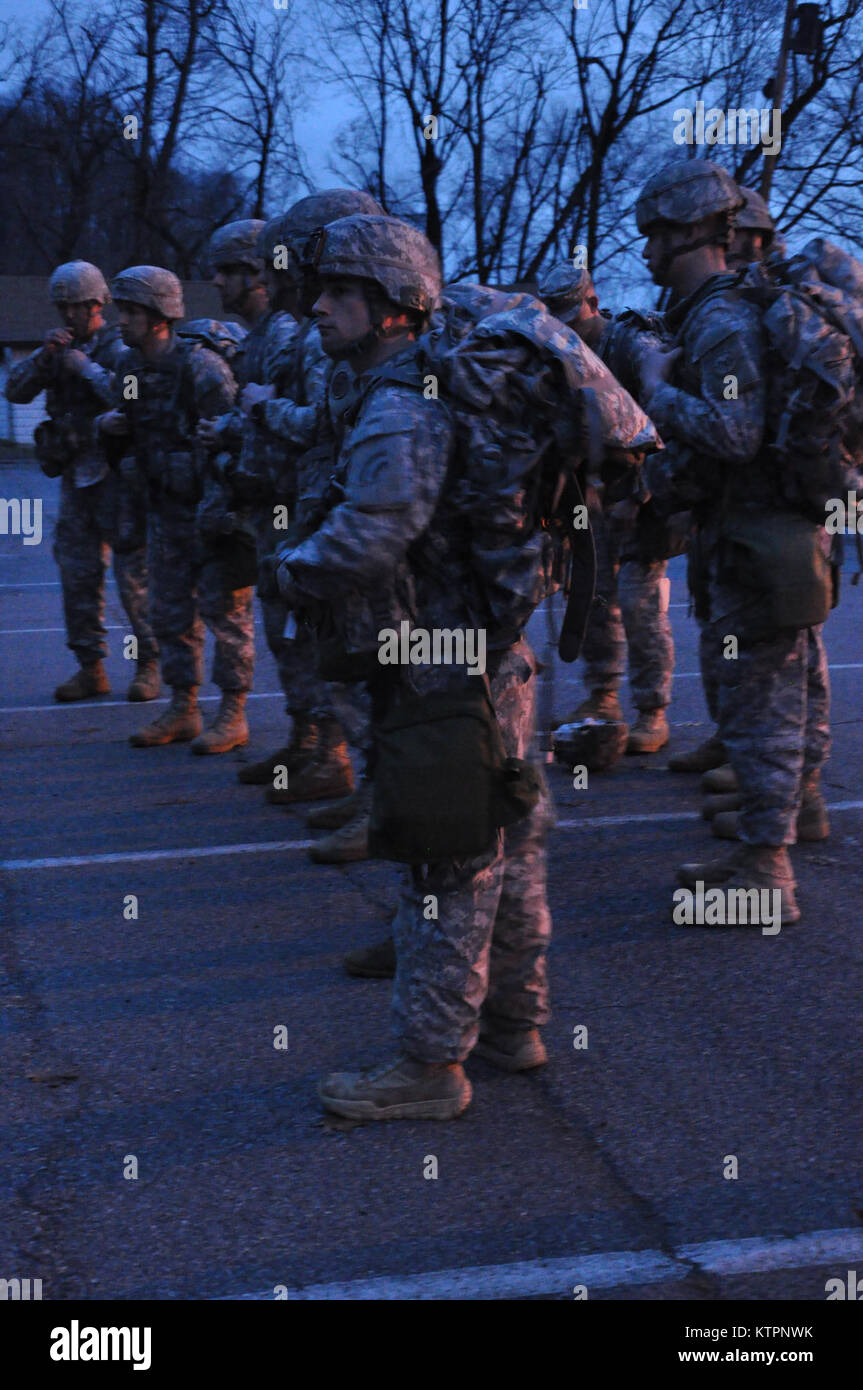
(226, 339)
(533, 407)
(812, 316)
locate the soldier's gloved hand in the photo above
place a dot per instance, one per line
(207, 433)
(74, 361)
(56, 340)
(112, 422)
(655, 366)
(301, 603)
(253, 395)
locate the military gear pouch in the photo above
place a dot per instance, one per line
(780, 556)
(335, 661)
(442, 783)
(52, 451)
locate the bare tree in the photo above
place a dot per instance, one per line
(257, 94)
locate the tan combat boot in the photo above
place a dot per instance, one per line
(346, 846)
(147, 684)
(229, 728)
(508, 1047)
(649, 733)
(709, 754)
(711, 872)
(768, 867)
(813, 822)
(340, 813)
(325, 775)
(399, 1090)
(720, 779)
(180, 722)
(600, 704)
(89, 680)
(304, 738)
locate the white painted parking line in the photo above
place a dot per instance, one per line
(601, 822)
(86, 706)
(607, 1270)
(274, 695)
(83, 861)
(80, 861)
(25, 631)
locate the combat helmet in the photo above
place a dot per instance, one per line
(755, 215)
(684, 192)
(237, 244)
(292, 229)
(75, 282)
(565, 289)
(390, 253)
(153, 287)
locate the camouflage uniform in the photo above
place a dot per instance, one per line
(391, 549)
(261, 361)
(294, 427)
(631, 594)
(189, 581)
(762, 696)
(635, 613)
(92, 498)
(493, 921)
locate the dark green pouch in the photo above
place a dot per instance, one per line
(780, 556)
(442, 783)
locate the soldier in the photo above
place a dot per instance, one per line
(74, 367)
(754, 234)
(707, 397)
(478, 967)
(162, 389)
(239, 274)
(754, 240)
(632, 586)
(290, 418)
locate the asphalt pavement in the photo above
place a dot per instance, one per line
(138, 1037)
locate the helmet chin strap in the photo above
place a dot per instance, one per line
(669, 256)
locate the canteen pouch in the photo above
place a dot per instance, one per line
(51, 447)
(335, 661)
(781, 556)
(442, 783)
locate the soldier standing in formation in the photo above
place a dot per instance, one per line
(173, 388)
(632, 588)
(478, 970)
(288, 419)
(75, 368)
(715, 460)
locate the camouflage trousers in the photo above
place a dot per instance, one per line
(773, 709)
(185, 590)
(86, 528)
(630, 610)
(296, 658)
(486, 951)
(816, 745)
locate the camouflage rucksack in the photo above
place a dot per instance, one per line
(532, 406)
(812, 315)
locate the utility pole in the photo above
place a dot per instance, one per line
(777, 89)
